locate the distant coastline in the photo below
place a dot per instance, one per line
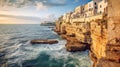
(47, 23)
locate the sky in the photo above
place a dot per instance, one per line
(43, 9)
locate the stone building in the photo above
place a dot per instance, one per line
(78, 11)
(90, 8)
(82, 10)
(86, 10)
(96, 6)
(102, 6)
(68, 17)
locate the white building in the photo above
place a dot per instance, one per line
(102, 6)
(67, 17)
(96, 6)
(91, 8)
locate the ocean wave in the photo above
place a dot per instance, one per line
(28, 52)
(18, 52)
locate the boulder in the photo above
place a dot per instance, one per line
(75, 46)
(39, 41)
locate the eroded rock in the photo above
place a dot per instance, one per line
(75, 46)
(39, 41)
(107, 63)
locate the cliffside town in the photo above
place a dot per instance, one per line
(94, 26)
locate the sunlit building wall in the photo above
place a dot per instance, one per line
(102, 6)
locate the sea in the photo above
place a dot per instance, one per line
(17, 51)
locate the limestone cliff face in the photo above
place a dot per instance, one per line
(105, 34)
(114, 22)
(58, 26)
(113, 44)
(99, 37)
(102, 32)
(83, 32)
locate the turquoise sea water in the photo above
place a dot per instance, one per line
(16, 50)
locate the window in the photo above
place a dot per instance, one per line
(89, 10)
(100, 6)
(100, 12)
(83, 8)
(89, 5)
(95, 7)
(95, 3)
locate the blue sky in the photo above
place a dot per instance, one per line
(39, 8)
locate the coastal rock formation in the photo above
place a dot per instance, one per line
(38, 41)
(75, 41)
(99, 32)
(105, 34)
(74, 45)
(99, 39)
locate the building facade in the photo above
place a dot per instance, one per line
(92, 8)
(102, 6)
(86, 10)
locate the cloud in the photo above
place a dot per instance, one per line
(21, 3)
(39, 6)
(49, 17)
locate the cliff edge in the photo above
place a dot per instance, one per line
(100, 34)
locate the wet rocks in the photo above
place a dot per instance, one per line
(39, 41)
(75, 46)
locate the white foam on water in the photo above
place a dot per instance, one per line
(28, 52)
(79, 59)
(22, 52)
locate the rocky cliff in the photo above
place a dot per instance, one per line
(105, 34)
(100, 34)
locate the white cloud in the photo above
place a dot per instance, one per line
(21, 3)
(49, 17)
(40, 5)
